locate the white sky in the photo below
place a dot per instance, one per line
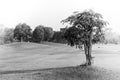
(51, 12)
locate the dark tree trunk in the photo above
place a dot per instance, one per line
(89, 54)
(88, 49)
(86, 53)
(21, 39)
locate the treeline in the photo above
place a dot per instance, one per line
(24, 33)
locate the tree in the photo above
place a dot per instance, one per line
(8, 35)
(48, 33)
(38, 34)
(58, 37)
(22, 32)
(84, 26)
(111, 37)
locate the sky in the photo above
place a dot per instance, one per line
(51, 12)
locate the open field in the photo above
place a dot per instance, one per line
(25, 61)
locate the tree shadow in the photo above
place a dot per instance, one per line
(35, 70)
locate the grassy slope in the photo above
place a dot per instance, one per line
(29, 56)
(24, 61)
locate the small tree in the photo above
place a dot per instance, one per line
(84, 27)
(38, 34)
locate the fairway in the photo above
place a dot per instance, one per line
(32, 56)
(29, 56)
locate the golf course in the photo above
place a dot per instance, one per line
(53, 61)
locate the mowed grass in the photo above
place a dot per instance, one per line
(27, 56)
(65, 73)
(52, 61)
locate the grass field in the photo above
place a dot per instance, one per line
(51, 61)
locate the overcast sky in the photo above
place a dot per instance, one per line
(51, 12)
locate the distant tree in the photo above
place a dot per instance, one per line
(111, 37)
(38, 34)
(22, 32)
(58, 37)
(84, 26)
(8, 35)
(48, 33)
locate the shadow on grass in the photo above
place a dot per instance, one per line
(34, 70)
(67, 73)
(74, 73)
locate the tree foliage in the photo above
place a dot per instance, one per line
(8, 35)
(111, 37)
(58, 37)
(22, 32)
(38, 33)
(85, 27)
(48, 33)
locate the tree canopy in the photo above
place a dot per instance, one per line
(48, 33)
(84, 27)
(8, 35)
(38, 33)
(22, 32)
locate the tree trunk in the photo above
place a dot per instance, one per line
(89, 54)
(86, 53)
(21, 39)
(90, 49)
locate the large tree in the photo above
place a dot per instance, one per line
(22, 32)
(85, 27)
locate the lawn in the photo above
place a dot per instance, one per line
(52, 61)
